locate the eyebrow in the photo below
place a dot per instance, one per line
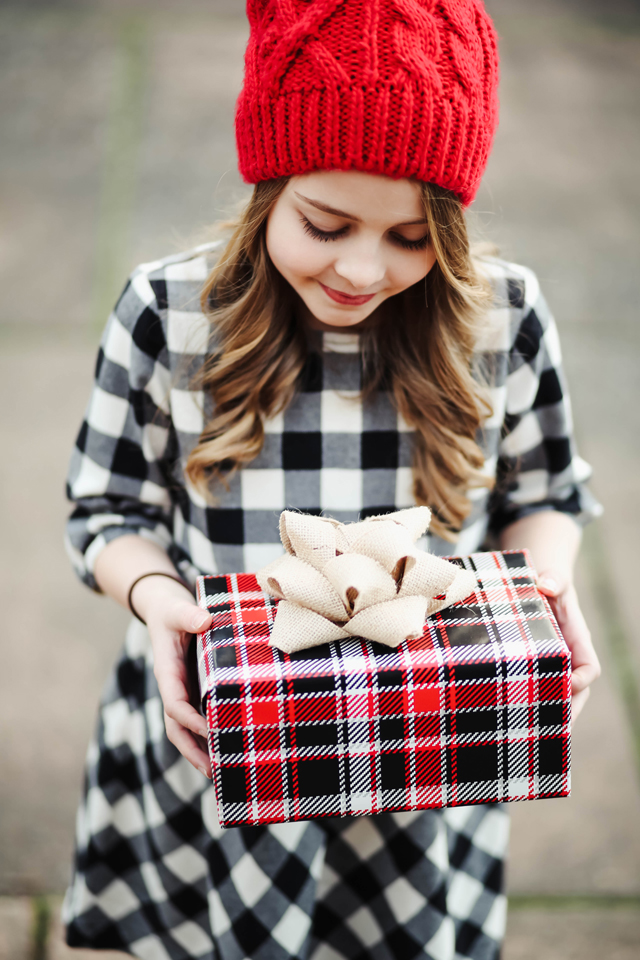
(350, 216)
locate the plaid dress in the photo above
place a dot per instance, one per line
(155, 875)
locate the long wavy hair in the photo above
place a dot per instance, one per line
(424, 361)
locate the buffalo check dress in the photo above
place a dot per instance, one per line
(155, 875)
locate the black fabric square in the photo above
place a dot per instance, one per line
(530, 334)
(215, 585)
(468, 634)
(558, 451)
(404, 852)
(228, 691)
(515, 293)
(392, 729)
(159, 288)
(318, 778)
(393, 774)
(475, 671)
(551, 714)
(550, 756)
(118, 766)
(231, 742)
(403, 945)
(316, 735)
(131, 679)
(148, 334)
(291, 877)
(468, 612)
(128, 460)
(390, 678)
(322, 652)
(225, 526)
(301, 451)
(477, 763)
(379, 450)
(541, 629)
(515, 560)
(314, 684)
(466, 937)
(549, 390)
(81, 442)
(249, 932)
(375, 511)
(311, 377)
(234, 784)
(225, 656)
(221, 633)
(479, 721)
(550, 665)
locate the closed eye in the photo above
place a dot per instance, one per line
(326, 235)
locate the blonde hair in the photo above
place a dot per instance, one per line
(425, 362)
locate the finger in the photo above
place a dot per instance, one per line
(188, 745)
(583, 676)
(577, 703)
(171, 675)
(187, 617)
(550, 583)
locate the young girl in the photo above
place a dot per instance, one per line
(344, 354)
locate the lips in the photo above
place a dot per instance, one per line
(345, 298)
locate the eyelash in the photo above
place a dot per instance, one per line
(325, 236)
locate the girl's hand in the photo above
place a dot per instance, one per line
(172, 618)
(584, 660)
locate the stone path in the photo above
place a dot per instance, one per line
(117, 147)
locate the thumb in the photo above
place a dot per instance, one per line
(551, 583)
(190, 618)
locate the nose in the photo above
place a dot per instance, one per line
(361, 264)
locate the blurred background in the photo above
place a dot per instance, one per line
(117, 147)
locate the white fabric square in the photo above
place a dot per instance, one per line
(192, 938)
(117, 900)
(122, 726)
(364, 838)
(249, 880)
(218, 916)
(258, 555)
(463, 894)
(185, 781)
(92, 480)
(288, 835)
(291, 929)
(532, 486)
(524, 437)
(495, 924)
(128, 818)
(149, 948)
(341, 342)
(404, 488)
(522, 387)
(340, 489)
(186, 410)
(187, 332)
(97, 810)
(404, 900)
(152, 810)
(493, 833)
(107, 413)
(442, 945)
(263, 489)
(153, 882)
(142, 286)
(195, 268)
(117, 343)
(274, 424)
(201, 550)
(187, 864)
(340, 412)
(365, 926)
(151, 492)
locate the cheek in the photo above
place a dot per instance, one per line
(293, 253)
(408, 270)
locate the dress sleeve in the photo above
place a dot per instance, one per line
(119, 472)
(538, 464)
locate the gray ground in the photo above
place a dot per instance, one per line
(117, 147)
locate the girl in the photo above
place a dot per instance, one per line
(343, 353)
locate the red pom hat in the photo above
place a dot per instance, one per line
(406, 88)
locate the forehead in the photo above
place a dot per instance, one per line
(371, 197)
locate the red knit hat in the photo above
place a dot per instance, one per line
(406, 88)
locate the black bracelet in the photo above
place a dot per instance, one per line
(154, 573)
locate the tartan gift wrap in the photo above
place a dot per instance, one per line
(476, 710)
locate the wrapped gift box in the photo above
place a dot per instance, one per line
(476, 710)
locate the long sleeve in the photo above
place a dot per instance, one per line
(538, 464)
(119, 471)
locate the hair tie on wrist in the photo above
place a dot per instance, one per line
(154, 573)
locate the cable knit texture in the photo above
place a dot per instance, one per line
(406, 88)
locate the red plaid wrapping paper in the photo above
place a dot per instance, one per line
(476, 710)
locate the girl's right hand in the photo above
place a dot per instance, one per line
(172, 617)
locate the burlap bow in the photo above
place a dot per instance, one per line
(364, 579)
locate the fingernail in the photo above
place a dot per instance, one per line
(201, 621)
(205, 772)
(547, 583)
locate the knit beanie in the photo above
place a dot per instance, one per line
(406, 88)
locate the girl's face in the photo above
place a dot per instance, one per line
(346, 241)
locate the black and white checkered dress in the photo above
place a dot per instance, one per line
(155, 875)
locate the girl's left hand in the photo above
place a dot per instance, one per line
(584, 660)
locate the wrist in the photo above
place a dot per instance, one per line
(154, 591)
